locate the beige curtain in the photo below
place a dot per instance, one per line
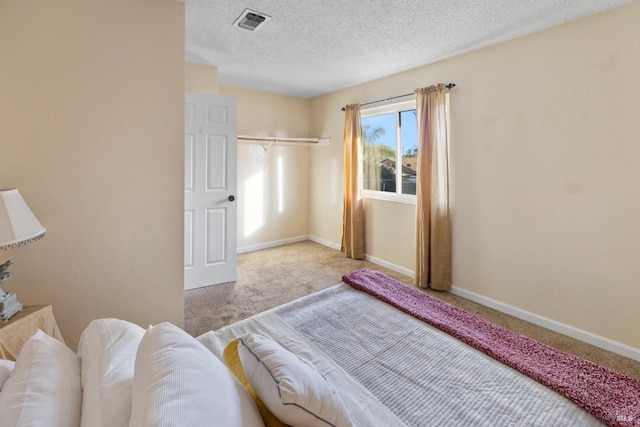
(353, 215)
(433, 230)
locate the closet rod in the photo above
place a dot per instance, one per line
(448, 86)
(274, 139)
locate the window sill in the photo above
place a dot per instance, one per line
(389, 197)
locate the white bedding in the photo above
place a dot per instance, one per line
(392, 369)
(366, 410)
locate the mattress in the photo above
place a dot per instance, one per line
(392, 369)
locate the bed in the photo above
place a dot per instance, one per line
(392, 368)
(367, 352)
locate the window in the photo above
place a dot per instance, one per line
(390, 152)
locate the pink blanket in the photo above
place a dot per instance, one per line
(609, 395)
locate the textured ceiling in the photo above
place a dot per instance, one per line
(309, 48)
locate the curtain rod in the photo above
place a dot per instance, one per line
(448, 86)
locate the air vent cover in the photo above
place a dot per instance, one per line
(251, 20)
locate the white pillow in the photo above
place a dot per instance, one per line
(6, 366)
(292, 388)
(44, 387)
(108, 349)
(178, 382)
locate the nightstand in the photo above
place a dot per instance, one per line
(22, 326)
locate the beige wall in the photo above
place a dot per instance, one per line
(273, 181)
(91, 131)
(545, 149)
(200, 78)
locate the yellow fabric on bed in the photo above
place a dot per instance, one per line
(232, 360)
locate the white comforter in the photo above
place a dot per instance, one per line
(392, 369)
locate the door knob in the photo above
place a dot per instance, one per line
(232, 198)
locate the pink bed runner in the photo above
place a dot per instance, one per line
(609, 395)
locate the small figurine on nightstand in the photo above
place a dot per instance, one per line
(3, 272)
(9, 304)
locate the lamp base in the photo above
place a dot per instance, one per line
(9, 306)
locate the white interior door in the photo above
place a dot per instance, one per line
(210, 230)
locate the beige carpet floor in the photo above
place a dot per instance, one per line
(271, 277)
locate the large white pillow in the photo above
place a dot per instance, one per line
(44, 387)
(178, 382)
(108, 349)
(6, 366)
(292, 388)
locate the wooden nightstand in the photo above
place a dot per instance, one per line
(22, 326)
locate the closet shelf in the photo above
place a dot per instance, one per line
(270, 140)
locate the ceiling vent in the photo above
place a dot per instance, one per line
(251, 20)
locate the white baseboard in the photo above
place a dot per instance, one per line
(272, 244)
(369, 258)
(389, 265)
(325, 243)
(562, 328)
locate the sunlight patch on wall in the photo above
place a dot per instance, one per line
(254, 206)
(280, 186)
(335, 183)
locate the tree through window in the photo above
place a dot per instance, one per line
(390, 151)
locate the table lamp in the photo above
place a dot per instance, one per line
(18, 226)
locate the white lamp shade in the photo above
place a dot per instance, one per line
(18, 225)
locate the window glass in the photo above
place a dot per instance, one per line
(390, 153)
(379, 144)
(409, 145)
